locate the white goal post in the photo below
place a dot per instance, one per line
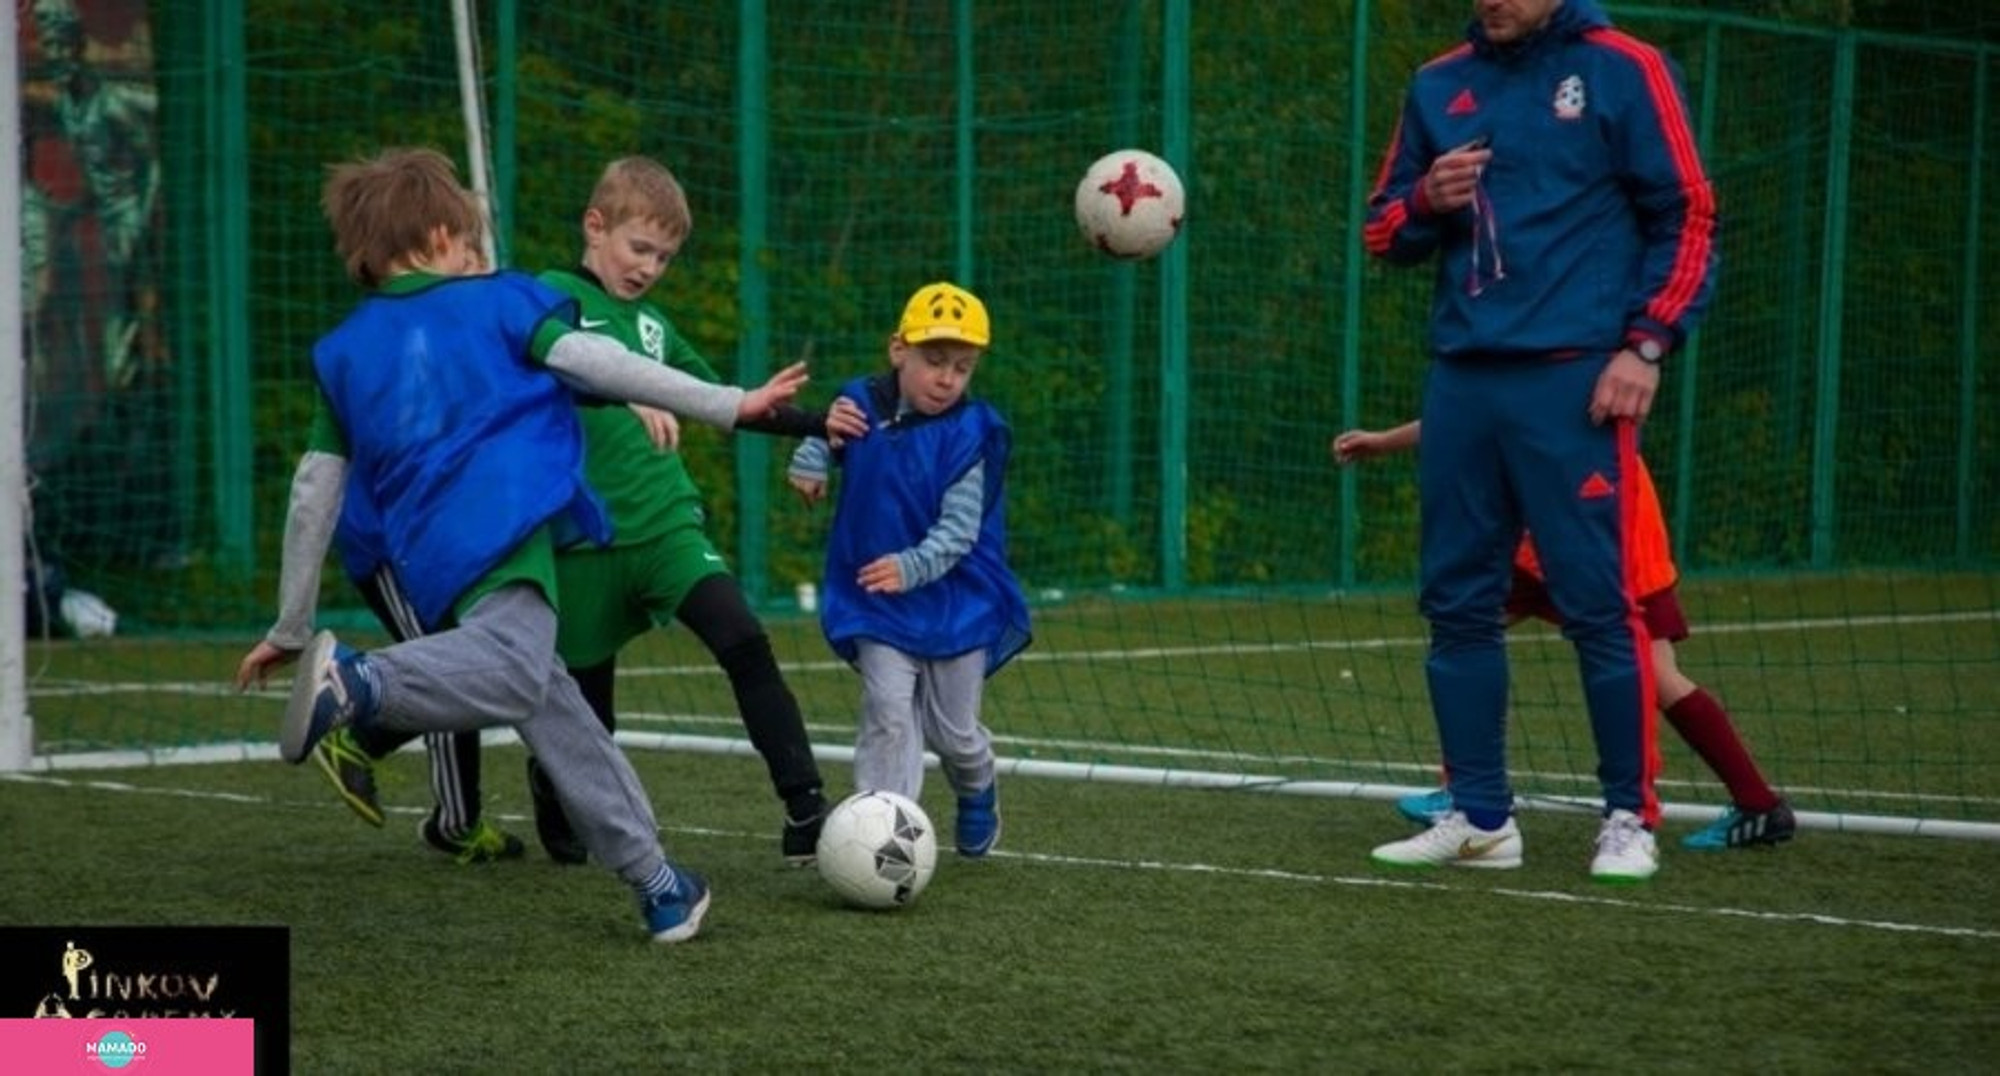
(471, 99)
(17, 728)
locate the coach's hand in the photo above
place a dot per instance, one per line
(1452, 182)
(1625, 389)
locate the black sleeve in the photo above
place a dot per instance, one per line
(788, 421)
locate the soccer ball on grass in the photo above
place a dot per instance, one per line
(877, 850)
(1129, 204)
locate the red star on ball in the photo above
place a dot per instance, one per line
(1128, 188)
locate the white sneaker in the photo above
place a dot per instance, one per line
(1625, 850)
(1457, 842)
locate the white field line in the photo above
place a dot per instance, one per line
(1547, 896)
(1248, 874)
(1009, 765)
(1383, 643)
(1419, 771)
(56, 688)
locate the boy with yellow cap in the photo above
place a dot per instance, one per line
(918, 594)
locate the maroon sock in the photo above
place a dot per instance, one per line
(1705, 725)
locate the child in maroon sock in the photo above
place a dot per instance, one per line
(1758, 815)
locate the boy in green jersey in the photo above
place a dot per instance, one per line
(661, 565)
(459, 470)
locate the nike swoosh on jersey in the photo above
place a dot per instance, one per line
(592, 323)
(711, 556)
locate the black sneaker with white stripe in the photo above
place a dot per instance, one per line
(804, 818)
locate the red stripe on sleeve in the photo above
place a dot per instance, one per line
(1388, 158)
(1381, 231)
(1690, 268)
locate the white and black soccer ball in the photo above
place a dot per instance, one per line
(877, 850)
(1130, 204)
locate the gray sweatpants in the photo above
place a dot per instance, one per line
(499, 667)
(910, 703)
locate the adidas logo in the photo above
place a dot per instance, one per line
(1462, 105)
(1594, 488)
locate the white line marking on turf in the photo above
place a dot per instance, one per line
(1037, 657)
(59, 688)
(1550, 896)
(1265, 873)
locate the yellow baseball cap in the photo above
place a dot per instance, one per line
(943, 311)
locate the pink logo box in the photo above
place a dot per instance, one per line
(158, 1047)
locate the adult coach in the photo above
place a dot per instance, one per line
(1548, 166)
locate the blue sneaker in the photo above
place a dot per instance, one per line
(675, 916)
(1425, 808)
(330, 691)
(979, 822)
(1738, 828)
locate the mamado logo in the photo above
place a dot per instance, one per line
(115, 1050)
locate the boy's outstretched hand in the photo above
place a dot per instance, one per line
(1357, 445)
(1354, 445)
(783, 386)
(256, 666)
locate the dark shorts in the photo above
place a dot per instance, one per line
(1661, 610)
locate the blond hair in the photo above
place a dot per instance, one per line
(383, 209)
(640, 188)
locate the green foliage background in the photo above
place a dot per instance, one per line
(862, 206)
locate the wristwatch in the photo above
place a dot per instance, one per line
(1649, 350)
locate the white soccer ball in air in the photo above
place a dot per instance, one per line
(1130, 204)
(877, 850)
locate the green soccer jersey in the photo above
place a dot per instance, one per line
(649, 492)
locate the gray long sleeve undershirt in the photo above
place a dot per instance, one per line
(952, 536)
(318, 487)
(601, 366)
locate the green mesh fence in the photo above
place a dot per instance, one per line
(1216, 602)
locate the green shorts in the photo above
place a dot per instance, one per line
(612, 596)
(532, 562)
